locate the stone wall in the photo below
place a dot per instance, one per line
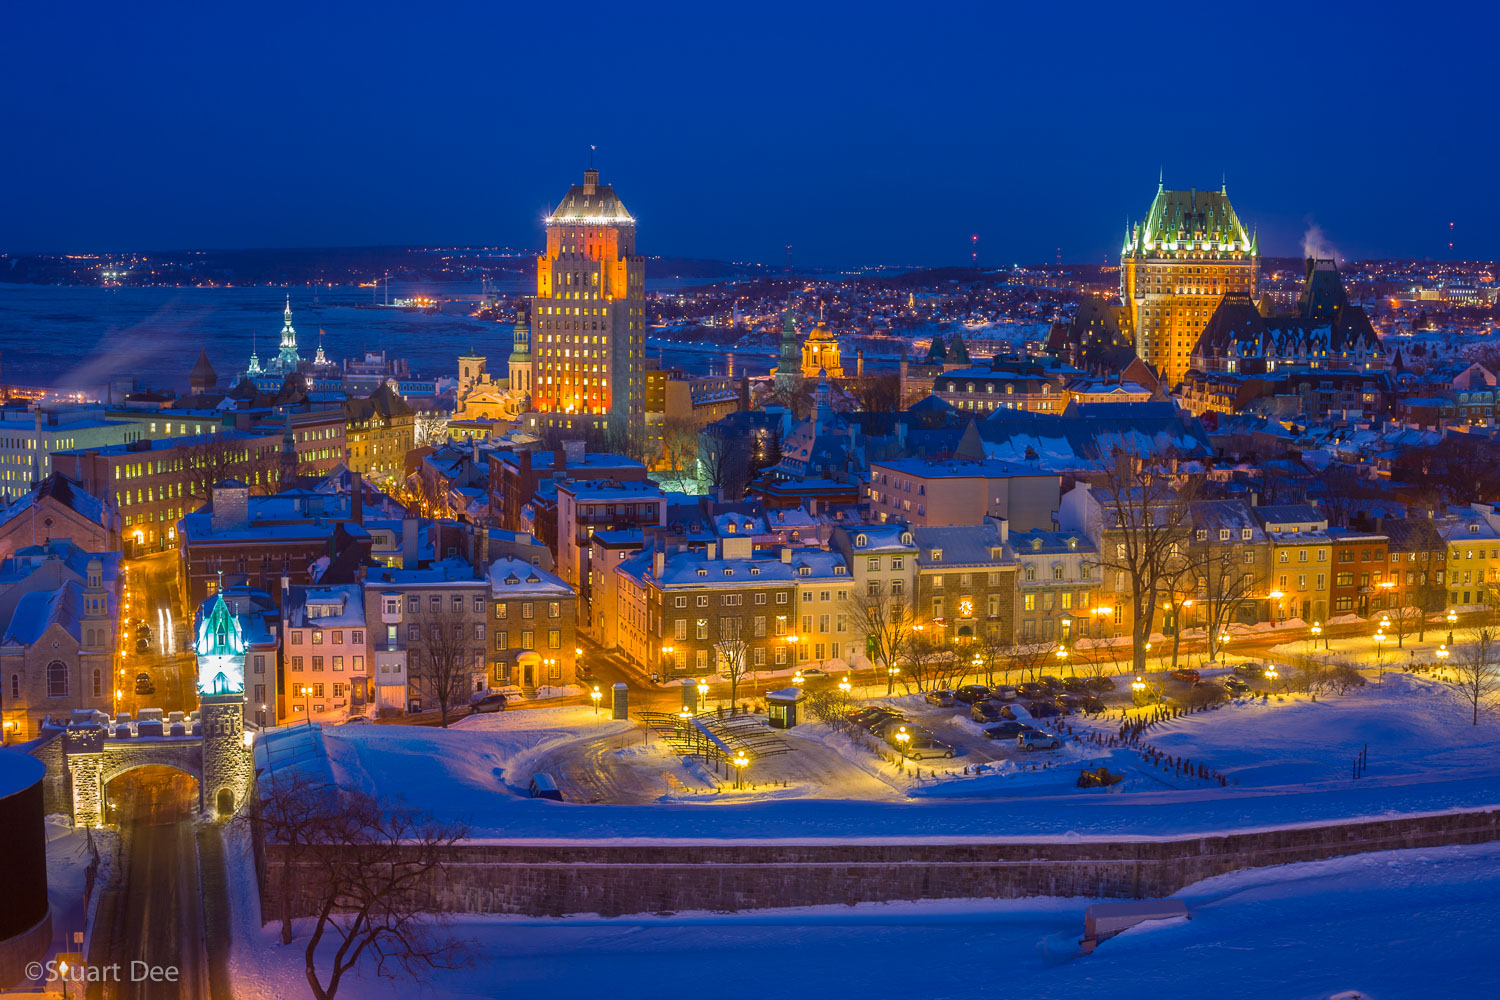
(612, 880)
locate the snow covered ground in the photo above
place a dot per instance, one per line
(1285, 761)
(1392, 925)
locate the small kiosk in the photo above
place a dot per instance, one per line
(782, 707)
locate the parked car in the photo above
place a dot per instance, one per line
(1076, 685)
(1186, 675)
(923, 745)
(1249, 670)
(989, 711)
(1100, 684)
(942, 699)
(1054, 685)
(1091, 703)
(1008, 730)
(144, 684)
(970, 693)
(1003, 692)
(492, 702)
(1037, 740)
(1068, 702)
(357, 720)
(1030, 690)
(1236, 686)
(143, 645)
(143, 631)
(1043, 710)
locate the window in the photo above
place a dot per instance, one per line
(679, 630)
(528, 609)
(357, 637)
(478, 606)
(554, 638)
(680, 601)
(554, 609)
(338, 663)
(296, 663)
(296, 637)
(501, 610)
(260, 664)
(413, 633)
(57, 679)
(528, 639)
(413, 605)
(317, 663)
(702, 630)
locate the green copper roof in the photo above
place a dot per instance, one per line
(1189, 220)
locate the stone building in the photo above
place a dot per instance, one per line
(381, 430)
(59, 507)
(1057, 583)
(325, 653)
(57, 653)
(1175, 267)
(966, 581)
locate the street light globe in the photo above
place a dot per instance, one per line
(844, 684)
(685, 714)
(702, 687)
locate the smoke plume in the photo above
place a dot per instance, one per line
(1315, 243)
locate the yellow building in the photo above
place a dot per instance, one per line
(382, 429)
(588, 316)
(1174, 269)
(820, 353)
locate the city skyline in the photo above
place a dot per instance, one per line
(838, 138)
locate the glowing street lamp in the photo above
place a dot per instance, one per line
(1452, 620)
(596, 695)
(1317, 630)
(740, 762)
(890, 678)
(1442, 654)
(1272, 674)
(902, 739)
(702, 693)
(797, 678)
(844, 684)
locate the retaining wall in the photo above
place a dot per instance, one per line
(558, 879)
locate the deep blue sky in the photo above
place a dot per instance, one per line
(860, 134)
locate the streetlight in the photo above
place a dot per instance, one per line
(1442, 655)
(740, 763)
(902, 739)
(890, 678)
(666, 658)
(797, 678)
(306, 708)
(1276, 596)
(1138, 689)
(702, 693)
(844, 684)
(1452, 620)
(596, 695)
(1317, 630)
(1271, 675)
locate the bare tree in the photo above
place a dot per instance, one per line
(885, 622)
(730, 652)
(445, 668)
(831, 704)
(1032, 658)
(925, 663)
(293, 808)
(212, 458)
(987, 652)
(371, 880)
(678, 459)
(1145, 535)
(1478, 667)
(1223, 588)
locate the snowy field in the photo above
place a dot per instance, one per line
(1393, 925)
(1286, 760)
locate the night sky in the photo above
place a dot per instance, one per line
(860, 134)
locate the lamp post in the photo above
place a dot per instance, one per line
(1442, 655)
(1452, 620)
(740, 763)
(890, 678)
(1380, 641)
(702, 693)
(666, 659)
(595, 695)
(1138, 689)
(797, 678)
(1271, 675)
(1315, 631)
(844, 685)
(1276, 596)
(306, 708)
(902, 739)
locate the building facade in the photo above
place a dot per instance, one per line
(1176, 266)
(588, 314)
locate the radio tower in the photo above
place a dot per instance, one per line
(974, 250)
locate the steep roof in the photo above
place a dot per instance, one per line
(65, 491)
(590, 202)
(203, 373)
(1192, 215)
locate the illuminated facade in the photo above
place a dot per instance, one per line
(820, 353)
(1176, 267)
(588, 315)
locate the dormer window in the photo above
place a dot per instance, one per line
(1223, 534)
(936, 555)
(1073, 544)
(860, 541)
(755, 571)
(728, 571)
(906, 538)
(804, 571)
(1036, 545)
(1473, 529)
(840, 570)
(1244, 534)
(702, 572)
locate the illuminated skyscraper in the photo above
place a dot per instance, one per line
(588, 316)
(1174, 269)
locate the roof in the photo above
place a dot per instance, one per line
(1041, 542)
(39, 610)
(443, 571)
(961, 545)
(383, 402)
(590, 202)
(202, 370)
(64, 491)
(325, 606)
(510, 577)
(1177, 218)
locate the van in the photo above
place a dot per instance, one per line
(543, 787)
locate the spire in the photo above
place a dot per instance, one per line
(1224, 183)
(1161, 177)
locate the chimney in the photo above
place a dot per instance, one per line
(484, 548)
(357, 497)
(712, 551)
(559, 463)
(658, 563)
(574, 451)
(590, 181)
(409, 540)
(786, 554)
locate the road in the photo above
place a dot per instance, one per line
(154, 596)
(154, 912)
